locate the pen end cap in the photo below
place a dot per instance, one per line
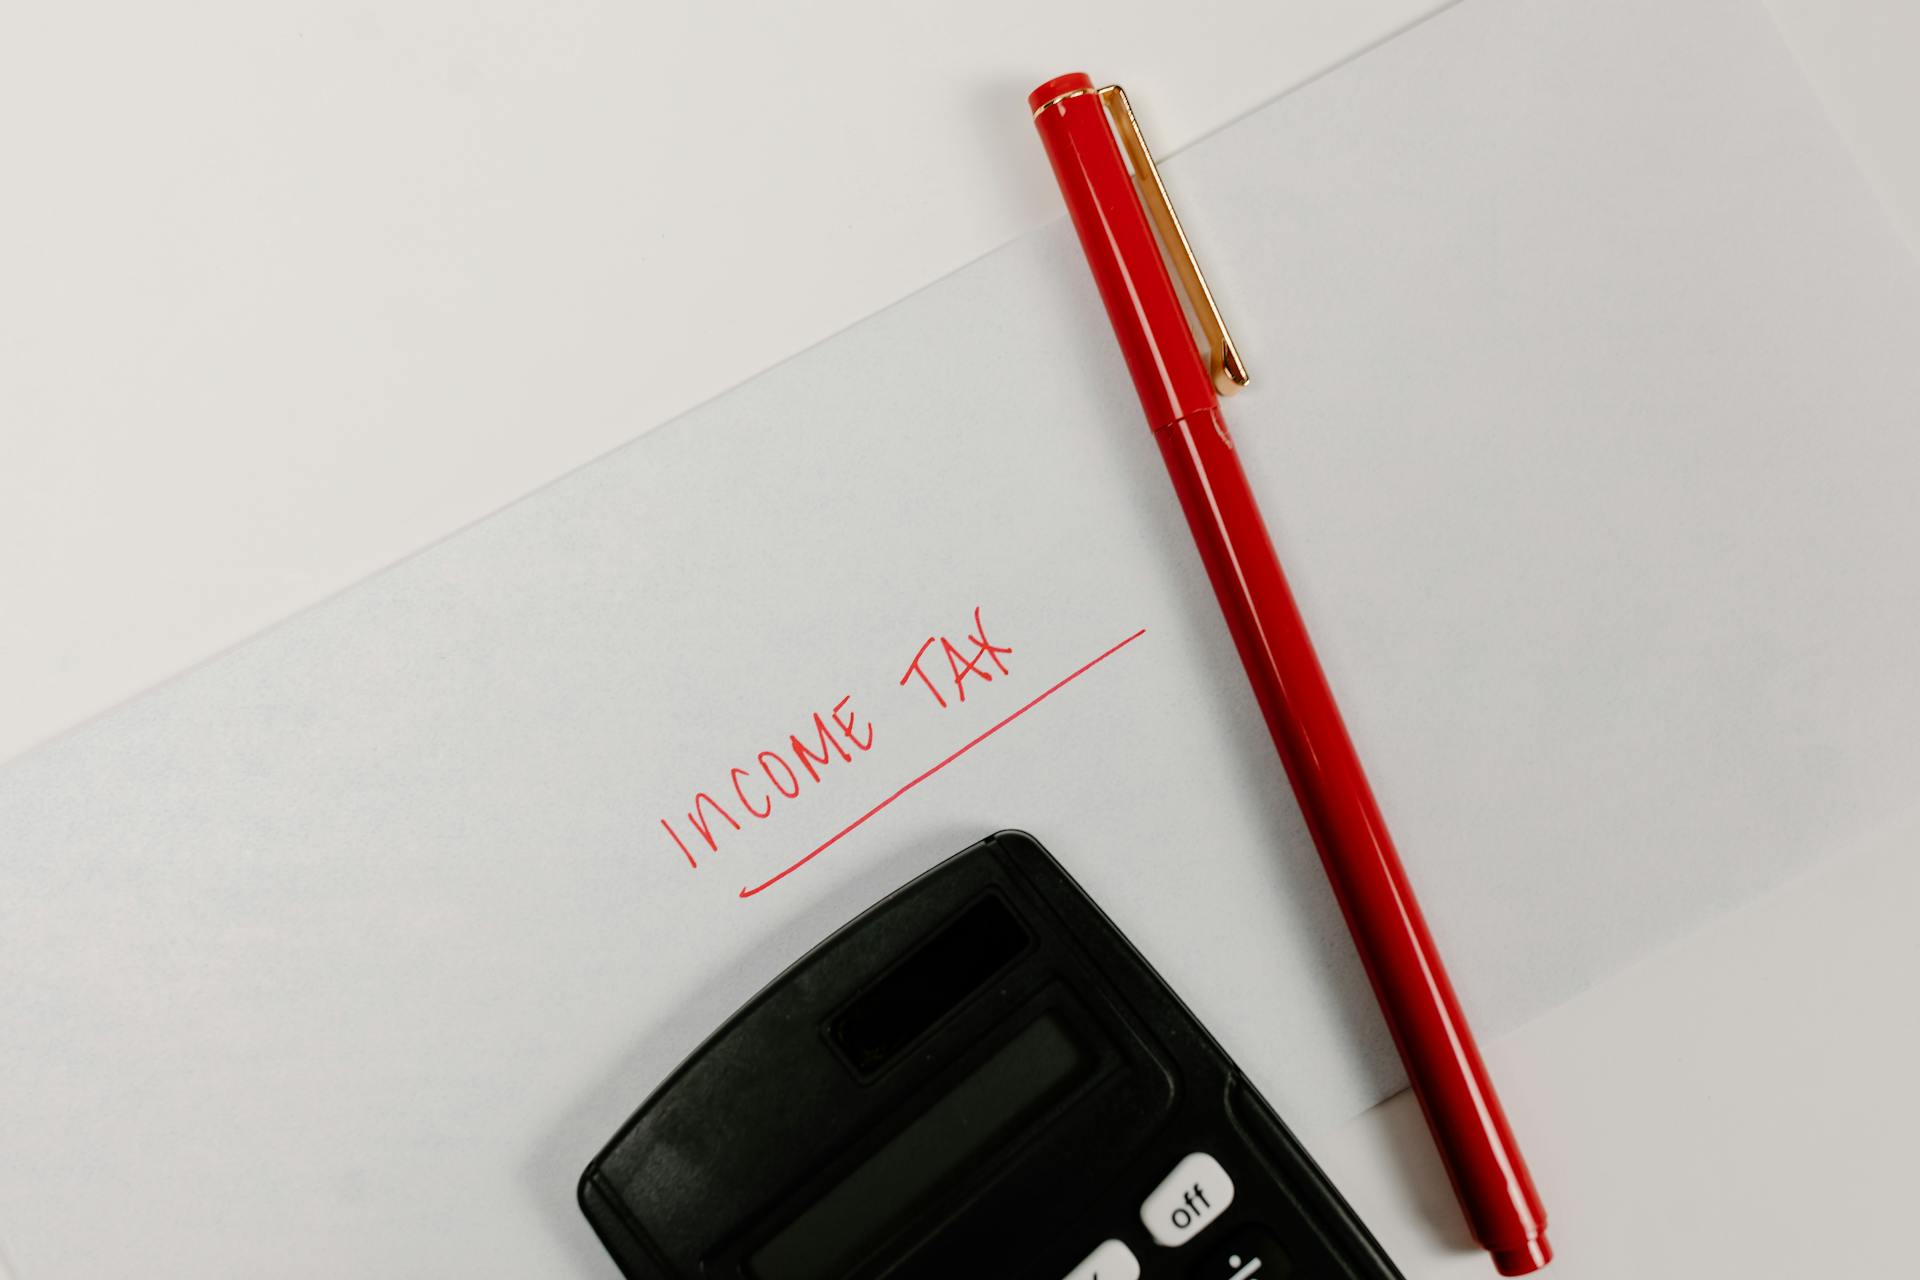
(1528, 1258)
(1056, 87)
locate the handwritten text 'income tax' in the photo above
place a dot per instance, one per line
(755, 792)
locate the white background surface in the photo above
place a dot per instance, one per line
(1740, 1104)
(289, 291)
(270, 321)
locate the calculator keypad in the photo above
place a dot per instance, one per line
(1111, 1261)
(1245, 1253)
(1193, 1195)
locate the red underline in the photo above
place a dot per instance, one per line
(1039, 698)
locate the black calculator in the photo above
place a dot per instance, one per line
(978, 1078)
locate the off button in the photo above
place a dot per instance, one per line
(1194, 1194)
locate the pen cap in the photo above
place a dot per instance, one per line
(1141, 298)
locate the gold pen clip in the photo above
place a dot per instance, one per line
(1223, 360)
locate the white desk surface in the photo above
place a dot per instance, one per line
(1738, 1105)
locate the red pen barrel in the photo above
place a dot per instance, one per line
(1443, 1065)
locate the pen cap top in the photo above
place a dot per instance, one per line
(1059, 86)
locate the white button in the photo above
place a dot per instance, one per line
(1194, 1194)
(1111, 1261)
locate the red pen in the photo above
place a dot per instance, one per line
(1179, 389)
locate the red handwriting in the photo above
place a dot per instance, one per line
(757, 790)
(752, 791)
(958, 663)
(915, 781)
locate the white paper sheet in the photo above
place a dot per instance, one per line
(1584, 418)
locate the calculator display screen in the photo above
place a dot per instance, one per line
(928, 984)
(828, 1237)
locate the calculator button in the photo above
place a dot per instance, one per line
(1194, 1194)
(1111, 1261)
(1248, 1253)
